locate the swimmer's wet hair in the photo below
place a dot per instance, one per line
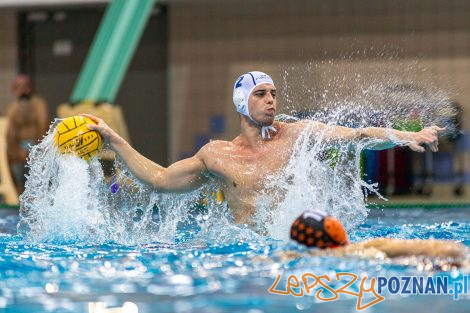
(317, 229)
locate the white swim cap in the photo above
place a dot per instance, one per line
(244, 87)
(241, 93)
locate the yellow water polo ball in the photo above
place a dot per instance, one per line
(73, 136)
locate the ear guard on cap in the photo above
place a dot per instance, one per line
(317, 229)
(243, 88)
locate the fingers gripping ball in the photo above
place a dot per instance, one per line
(317, 229)
(73, 136)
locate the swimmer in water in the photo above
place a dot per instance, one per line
(263, 147)
(316, 229)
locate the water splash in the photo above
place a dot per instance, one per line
(310, 180)
(62, 199)
(368, 88)
(68, 199)
(322, 174)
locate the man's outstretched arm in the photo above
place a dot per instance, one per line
(386, 137)
(184, 175)
(394, 247)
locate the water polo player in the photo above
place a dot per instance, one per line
(316, 229)
(263, 147)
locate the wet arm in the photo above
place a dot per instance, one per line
(386, 137)
(185, 175)
(432, 248)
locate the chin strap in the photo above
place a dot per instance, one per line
(265, 131)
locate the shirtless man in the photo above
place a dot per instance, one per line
(28, 121)
(264, 146)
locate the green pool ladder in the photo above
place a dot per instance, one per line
(112, 50)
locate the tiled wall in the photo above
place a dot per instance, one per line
(8, 56)
(212, 42)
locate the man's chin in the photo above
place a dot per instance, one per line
(268, 121)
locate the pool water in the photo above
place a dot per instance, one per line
(213, 277)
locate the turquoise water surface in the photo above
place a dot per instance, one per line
(213, 277)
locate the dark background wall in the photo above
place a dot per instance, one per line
(53, 45)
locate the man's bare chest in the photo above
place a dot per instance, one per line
(250, 170)
(25, 115)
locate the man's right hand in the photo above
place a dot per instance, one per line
(108, 134)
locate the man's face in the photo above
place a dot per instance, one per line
(21, 86)
(262, 104)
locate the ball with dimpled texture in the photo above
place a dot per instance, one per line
(316, 230)
(72, 135)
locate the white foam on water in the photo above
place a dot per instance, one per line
(68, 199)
(62, 200)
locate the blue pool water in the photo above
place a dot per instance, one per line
(212, 277)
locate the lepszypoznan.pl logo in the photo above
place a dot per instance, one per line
(405, 285)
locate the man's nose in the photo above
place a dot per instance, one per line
(269, 98)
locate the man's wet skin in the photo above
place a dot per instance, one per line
(261, 150)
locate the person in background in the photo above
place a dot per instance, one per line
(28, 121)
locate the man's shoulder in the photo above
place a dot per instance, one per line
(218, 143)
(39, 101)
(11, 108)
(283, 126)
(292, 127)
(214, 146)
(301, 124)
(293, 130)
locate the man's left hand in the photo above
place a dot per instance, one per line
(427, 136)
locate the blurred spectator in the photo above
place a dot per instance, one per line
(28, 120)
